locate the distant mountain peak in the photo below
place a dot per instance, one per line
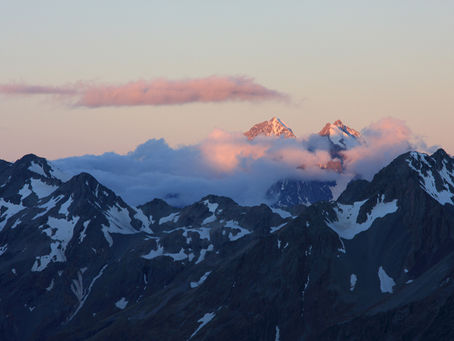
(340, 134)
(332, 128)
(39, 167)
(273, 127)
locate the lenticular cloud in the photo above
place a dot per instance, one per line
(154, 92)
(229, 164)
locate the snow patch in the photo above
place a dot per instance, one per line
(177, 256)
(347, 227)
(240, 234)
(107, 235)
(444, 196)
(284, 214)
(51, 203)
(353, 280)
(41, 189)
(64, 207)
(277, 336)
(181, 255)
(121, 303)
(204, 232)
(208, 220)
(343, 249)
(80, 293)
(173, 217)
(25, 191)
(212, 207)
(154, 253)
(119, 222)
(16, 223)
(277, 228)
(9, 209)
(203, 253)
(3, 249)
(60, 231)
(51, 285)
(303, 293)
(37, 168)
(200, 281)
(83, 233)
(204, 320)
(386, 282)
(30, 308)
(146, 221)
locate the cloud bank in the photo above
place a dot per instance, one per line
(155, 92)
(229, 164)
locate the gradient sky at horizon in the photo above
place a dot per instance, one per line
(354, 60)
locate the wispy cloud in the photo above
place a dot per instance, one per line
(26, 89)
(155, 92)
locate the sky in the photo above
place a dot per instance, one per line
(87, 77)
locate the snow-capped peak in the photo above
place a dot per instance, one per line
(273, 127)
(436, 174)
(341, 135)
(40, 167)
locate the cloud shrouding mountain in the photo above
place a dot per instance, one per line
(228, 164)
(154, 92)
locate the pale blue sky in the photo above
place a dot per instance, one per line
(354, 60)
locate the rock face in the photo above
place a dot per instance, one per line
(291, 192)
(78, 263)
(273, 127)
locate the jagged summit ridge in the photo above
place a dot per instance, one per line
(273, 127)
(331, 128)
(435, 174)
(341, 135)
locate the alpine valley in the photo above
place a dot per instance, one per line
(77, 262)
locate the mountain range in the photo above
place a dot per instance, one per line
(289, 192)
(79, 263)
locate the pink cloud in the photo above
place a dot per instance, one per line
(155, 92)
(228, 153)
(171, 92)
(223, 151)
(385, 140)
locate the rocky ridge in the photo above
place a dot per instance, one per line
(79, 263)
